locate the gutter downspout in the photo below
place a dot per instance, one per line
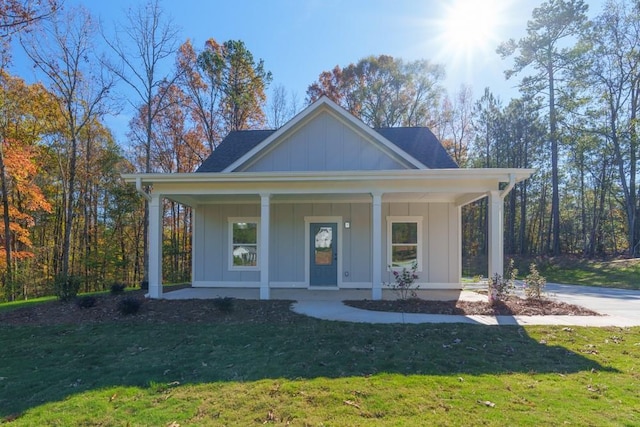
(141, 191)
(507, 189)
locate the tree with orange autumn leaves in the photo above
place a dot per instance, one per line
(63, 49)
(26, 112)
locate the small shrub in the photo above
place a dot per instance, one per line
(86, 301)
(66, 287)
(534, 283)
(225, 305)
(404, 282)
(129, 305)
(501, 287)
(117, 288)
(144, 285)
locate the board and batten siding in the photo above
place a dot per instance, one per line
(324, 144)
(211, 245)
(440, 233)
(441, 253)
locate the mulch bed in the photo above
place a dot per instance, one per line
(252, 311)
(510, 307)
(151, 311)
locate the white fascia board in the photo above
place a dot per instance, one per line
(309, 112)
(494, 174)
(452, 182)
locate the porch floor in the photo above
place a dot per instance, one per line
(317, 295)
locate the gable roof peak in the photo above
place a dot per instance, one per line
(418, 146)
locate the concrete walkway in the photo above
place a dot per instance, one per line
(619, 307)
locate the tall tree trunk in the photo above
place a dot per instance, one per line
(634, 209)
(524, 246)
(66, 244)
(8, 277)
(583, 208)
(147, 169)
(511, 227)
(553, 136)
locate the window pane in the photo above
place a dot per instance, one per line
(324, 246)
(245, 232)
(245, 255)
(404, 256)
(404, 232)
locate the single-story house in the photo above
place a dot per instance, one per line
(326, 202)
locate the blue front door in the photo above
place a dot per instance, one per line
(323, 265)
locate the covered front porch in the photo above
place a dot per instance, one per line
(361, 204)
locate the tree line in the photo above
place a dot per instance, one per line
(66, 212)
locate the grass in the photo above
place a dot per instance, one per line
(312, 372)
(618, 273)
(624, 273)
(14, 305)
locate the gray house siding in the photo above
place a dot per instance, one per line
(440, 237)
(324, 144)
(440, 240)
(211, 261)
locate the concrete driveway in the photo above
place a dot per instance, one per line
(610, 301)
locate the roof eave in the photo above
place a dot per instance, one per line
(499, 174)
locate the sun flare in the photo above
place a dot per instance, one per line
(471, 26)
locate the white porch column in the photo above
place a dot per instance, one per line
(376, 250)
(265, 224)
(155, 246)
(496, 234)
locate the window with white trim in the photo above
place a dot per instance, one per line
(404, 237)
(243, 243)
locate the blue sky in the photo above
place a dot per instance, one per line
(298, 39)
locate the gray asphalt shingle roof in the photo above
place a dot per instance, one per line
(418, 142)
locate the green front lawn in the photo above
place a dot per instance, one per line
(567, 269)
(304, 371)
(623, 273)
(14, 305)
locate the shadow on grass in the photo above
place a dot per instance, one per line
(40, 364)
